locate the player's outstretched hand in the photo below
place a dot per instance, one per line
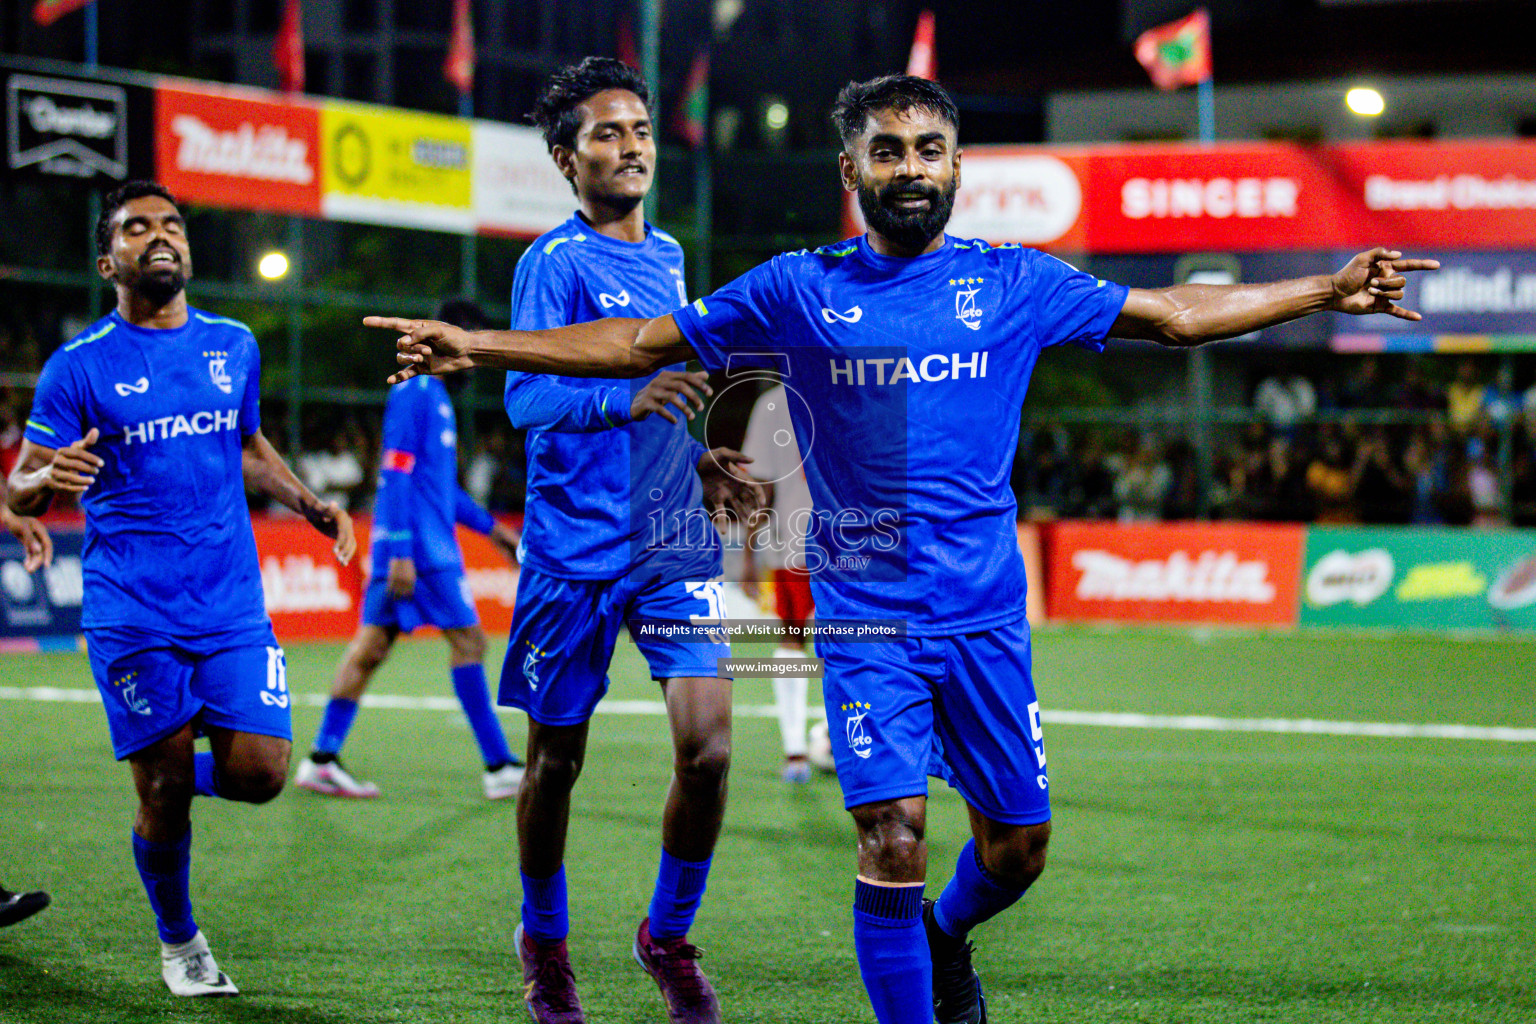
(727, 487)
(74, 467)
(1373, 281)
(668, 390)
(424, 346)
(505, 538)
(33, 536)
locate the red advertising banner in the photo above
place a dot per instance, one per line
(309, 596)
(1247, 197)
(1245, 574)
(232, 148)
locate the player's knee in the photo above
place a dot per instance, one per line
(705, 762)
(167, 791)
(1021, 860)
(253, 784)
(891, 838)
(552, 771)
(467, 646)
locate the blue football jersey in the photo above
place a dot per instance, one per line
(168, 540)
(419, 498)
(905, 380)
(607, 497)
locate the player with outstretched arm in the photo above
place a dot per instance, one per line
(152, 417)
(913, 350)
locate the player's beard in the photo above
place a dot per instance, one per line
(910, 229)
(156, 286)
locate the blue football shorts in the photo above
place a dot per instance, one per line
(441, 599)
(152, 684)
(564, 631)
(960, 708)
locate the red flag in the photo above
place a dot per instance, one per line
(46, 12)
(459, 68)
(923, 63)
(1178, 53)
(692, 117)
(628, 52)
(288, 49)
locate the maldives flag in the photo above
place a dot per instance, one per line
(459, 68)
(46, 12)
(288, 49)
(922, 62)
(692, 117)
(1178, 53)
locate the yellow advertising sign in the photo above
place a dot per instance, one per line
(376, 157)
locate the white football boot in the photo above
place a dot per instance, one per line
(190, 970)
(332, 780)
(503, 782)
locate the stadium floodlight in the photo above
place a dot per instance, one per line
(776, 116)
(273, 266)
(1365, 102)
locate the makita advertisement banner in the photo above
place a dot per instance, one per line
(1420, 578)
(236, 148)
(72, 128)
(1236, 573)
(1247, 197)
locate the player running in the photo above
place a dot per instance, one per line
(778, 544)
(37, 551)
(913, 350)
(418, 577)
(151, 415)
(614, 533)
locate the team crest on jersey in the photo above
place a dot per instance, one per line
(129, 688)
(859, 739)
(966, 310)
(531, 664)
(221, 378)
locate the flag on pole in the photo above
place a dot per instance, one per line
(288, 49)
(1178, 53)
(459, 68)
(922, 62)
(692, 118)
(628, 52)
(46, 12)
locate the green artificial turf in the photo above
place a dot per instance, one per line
(1195, 876)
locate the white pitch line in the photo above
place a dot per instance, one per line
(1101, 719)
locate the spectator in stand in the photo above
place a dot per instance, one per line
(336, 473)
(1365, 389)
(1285, 399)
(1415, 391)
(1465, 397)
(1143, 484)
(1424, 464)
(1383, 489)
(1182, 499)
(1483, 484)
(1093, 484)
(1331, 482)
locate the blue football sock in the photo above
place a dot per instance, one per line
(205, 774)
(546, 916)
(892, 949)
(475, 699)
(165, 868)
(339, 715)
(974, 895)
(679, 888)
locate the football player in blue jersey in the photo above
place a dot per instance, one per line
(615, 532)
(909, 352)
(151, 416)
(418, 577)
(37, 551)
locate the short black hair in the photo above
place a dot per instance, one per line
(117, 199)
(463, 313)
(901, 93)
(554, 111)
